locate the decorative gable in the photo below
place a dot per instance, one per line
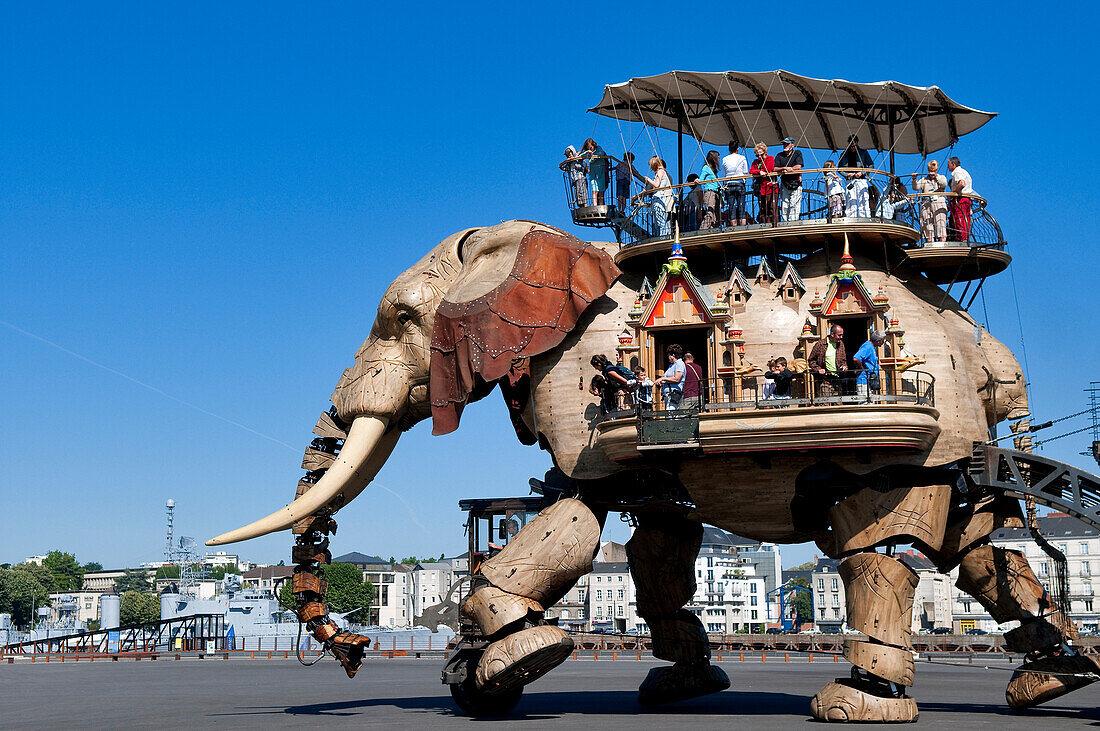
(764, 273)
(791, 286)
(679, 298)
(738, 290)
(847, 294)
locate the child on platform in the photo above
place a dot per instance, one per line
(778, 380)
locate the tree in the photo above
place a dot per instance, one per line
(347, 591)
(219, 572)
(808, 566)
(286, 597)
(802, 602)
(170, 571)
(138, 608)
(410, 560)
(92, 566)
(133, 580)
(23, 589)
(67, 573)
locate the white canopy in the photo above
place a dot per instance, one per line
(723, 107)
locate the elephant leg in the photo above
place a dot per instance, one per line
(661, 554)
(532, 572)
(879, 593)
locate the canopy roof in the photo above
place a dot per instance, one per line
(732, 106)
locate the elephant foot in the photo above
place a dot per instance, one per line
(521, 658)
(681, 681)
(844, 700)
(1047, 678)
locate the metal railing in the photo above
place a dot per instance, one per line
(721, 394)
(597, 195)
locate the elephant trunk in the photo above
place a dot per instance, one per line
(366, 449)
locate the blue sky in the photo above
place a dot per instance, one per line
(207, 200)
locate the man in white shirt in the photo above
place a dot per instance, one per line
(735, 164)
(960, 203)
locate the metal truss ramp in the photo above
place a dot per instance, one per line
(1051, 483)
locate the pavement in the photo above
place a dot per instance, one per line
(406, 693)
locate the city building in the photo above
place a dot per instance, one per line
(729, 596)
(828, 592)
(430, 583)
(612, 602)
(102, 582)
(268, 578)
(1081, 546)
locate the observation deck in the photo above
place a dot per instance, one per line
(901, 417)
(884, 220)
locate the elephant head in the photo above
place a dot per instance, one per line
(467, 316)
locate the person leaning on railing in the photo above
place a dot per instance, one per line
(661, 200)
(787, 161)
(707, 176)
(859, 188)
(624, 172)
(732, 165)
(933, 208)
(598, 169)
(828, 361)
(574, 168)
(672, 382)
(763, 185)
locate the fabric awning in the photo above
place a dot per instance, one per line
(726, 106)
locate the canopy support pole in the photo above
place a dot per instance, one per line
(891, 118)
(680, 156)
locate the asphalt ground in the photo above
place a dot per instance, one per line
(406, 693)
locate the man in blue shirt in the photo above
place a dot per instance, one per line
(866, 358)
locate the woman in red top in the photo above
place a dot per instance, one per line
(764, 185)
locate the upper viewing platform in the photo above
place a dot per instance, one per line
(795, 171)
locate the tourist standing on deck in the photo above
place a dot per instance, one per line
(735, 164)
(960, 203)
(598, 169)
(708, 177)
(624, 172)
(693, 205)
(788, 161)
(834, 190)
(866, 358)
(762, 184)
(672, 382)
(661, 200)
(574, 168)
(829, 362)
(643, 393)
(933, 208)
(693, 380)
(859, 196)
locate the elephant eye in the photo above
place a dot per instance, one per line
(404, 318)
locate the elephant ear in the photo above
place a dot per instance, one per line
(521, 290)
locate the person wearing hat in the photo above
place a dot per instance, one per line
(788, 161)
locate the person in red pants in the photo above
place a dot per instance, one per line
(960, 203)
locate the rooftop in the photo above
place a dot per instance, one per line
(1052, 526)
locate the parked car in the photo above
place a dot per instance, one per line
(941, 631)
(976, 631)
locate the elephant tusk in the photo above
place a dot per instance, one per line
(365, 450)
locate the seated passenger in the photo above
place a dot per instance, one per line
(735, 164)
(643, 392)
(933, 208)
(764, 185)
(779, 377)
(834, 190)
(895, 204)
(624, 172)
(707, 176)
(574, 168)
(859, 196)
(662, 198)
(672, 382)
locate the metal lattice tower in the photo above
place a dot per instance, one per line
(1094, 414)
(170, 508)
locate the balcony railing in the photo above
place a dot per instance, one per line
(722, 394)
(747, 202)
